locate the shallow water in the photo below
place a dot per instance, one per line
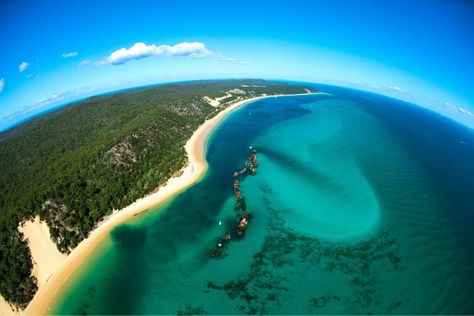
(361, 204)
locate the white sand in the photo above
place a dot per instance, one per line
(6, 309)
(46, 256)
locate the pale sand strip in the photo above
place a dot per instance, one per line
(58, 269)
(46, 257)
(6, 309)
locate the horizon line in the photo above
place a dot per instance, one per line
(57, 107)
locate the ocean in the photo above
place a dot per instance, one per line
(361, 204)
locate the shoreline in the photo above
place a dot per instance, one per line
(193, 171)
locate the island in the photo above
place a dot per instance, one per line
(75, 173)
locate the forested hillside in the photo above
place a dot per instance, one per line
(77, 164)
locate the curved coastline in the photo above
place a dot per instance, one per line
(192, 172)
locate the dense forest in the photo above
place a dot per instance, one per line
(75, 165)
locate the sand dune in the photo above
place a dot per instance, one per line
(46, 256)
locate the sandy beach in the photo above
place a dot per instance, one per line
(46, 256)
(53, 268)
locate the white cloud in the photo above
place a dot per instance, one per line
(459, 109)
(69, 55)
(22, 67)
(464, 111)
(44, 103)
(2, 84)
(231, 60)
(452, 106)
(86, 62)
(396, 88)
(141, 50)
(25, 110)
(48, 100)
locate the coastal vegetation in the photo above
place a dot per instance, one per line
(78, 164)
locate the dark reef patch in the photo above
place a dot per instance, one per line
(321, 301)
(129, 237)
(192, 310)
(267, 282)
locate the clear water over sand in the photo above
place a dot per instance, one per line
(361, 204)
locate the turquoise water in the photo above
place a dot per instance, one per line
(361, 204)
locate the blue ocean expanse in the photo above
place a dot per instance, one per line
(361, 204)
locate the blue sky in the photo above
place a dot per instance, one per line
(58, 51)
